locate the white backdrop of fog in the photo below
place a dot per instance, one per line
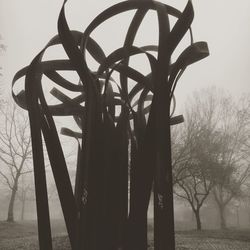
(27, 25)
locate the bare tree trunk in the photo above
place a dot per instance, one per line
(198, 219)
(10, 217)
(222, 216)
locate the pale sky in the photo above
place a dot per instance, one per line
(27, 26)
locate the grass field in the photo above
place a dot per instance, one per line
(23, 236)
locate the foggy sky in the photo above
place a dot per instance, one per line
(27, 26)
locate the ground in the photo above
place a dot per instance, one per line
(23, 236)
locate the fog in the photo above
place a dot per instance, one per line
(25, 28)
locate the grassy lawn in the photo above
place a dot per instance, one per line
(213, 240)
(9, 231)
(23, 236)
(230, 234)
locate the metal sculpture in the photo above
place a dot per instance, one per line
(96, 213)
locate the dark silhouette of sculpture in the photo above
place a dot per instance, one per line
(96, 213)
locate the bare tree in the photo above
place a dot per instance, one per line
(193, 181)
(215, 137)
(193, 156)
(232, 130)
(15, 150)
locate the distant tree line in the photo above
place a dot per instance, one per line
(210, 152)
